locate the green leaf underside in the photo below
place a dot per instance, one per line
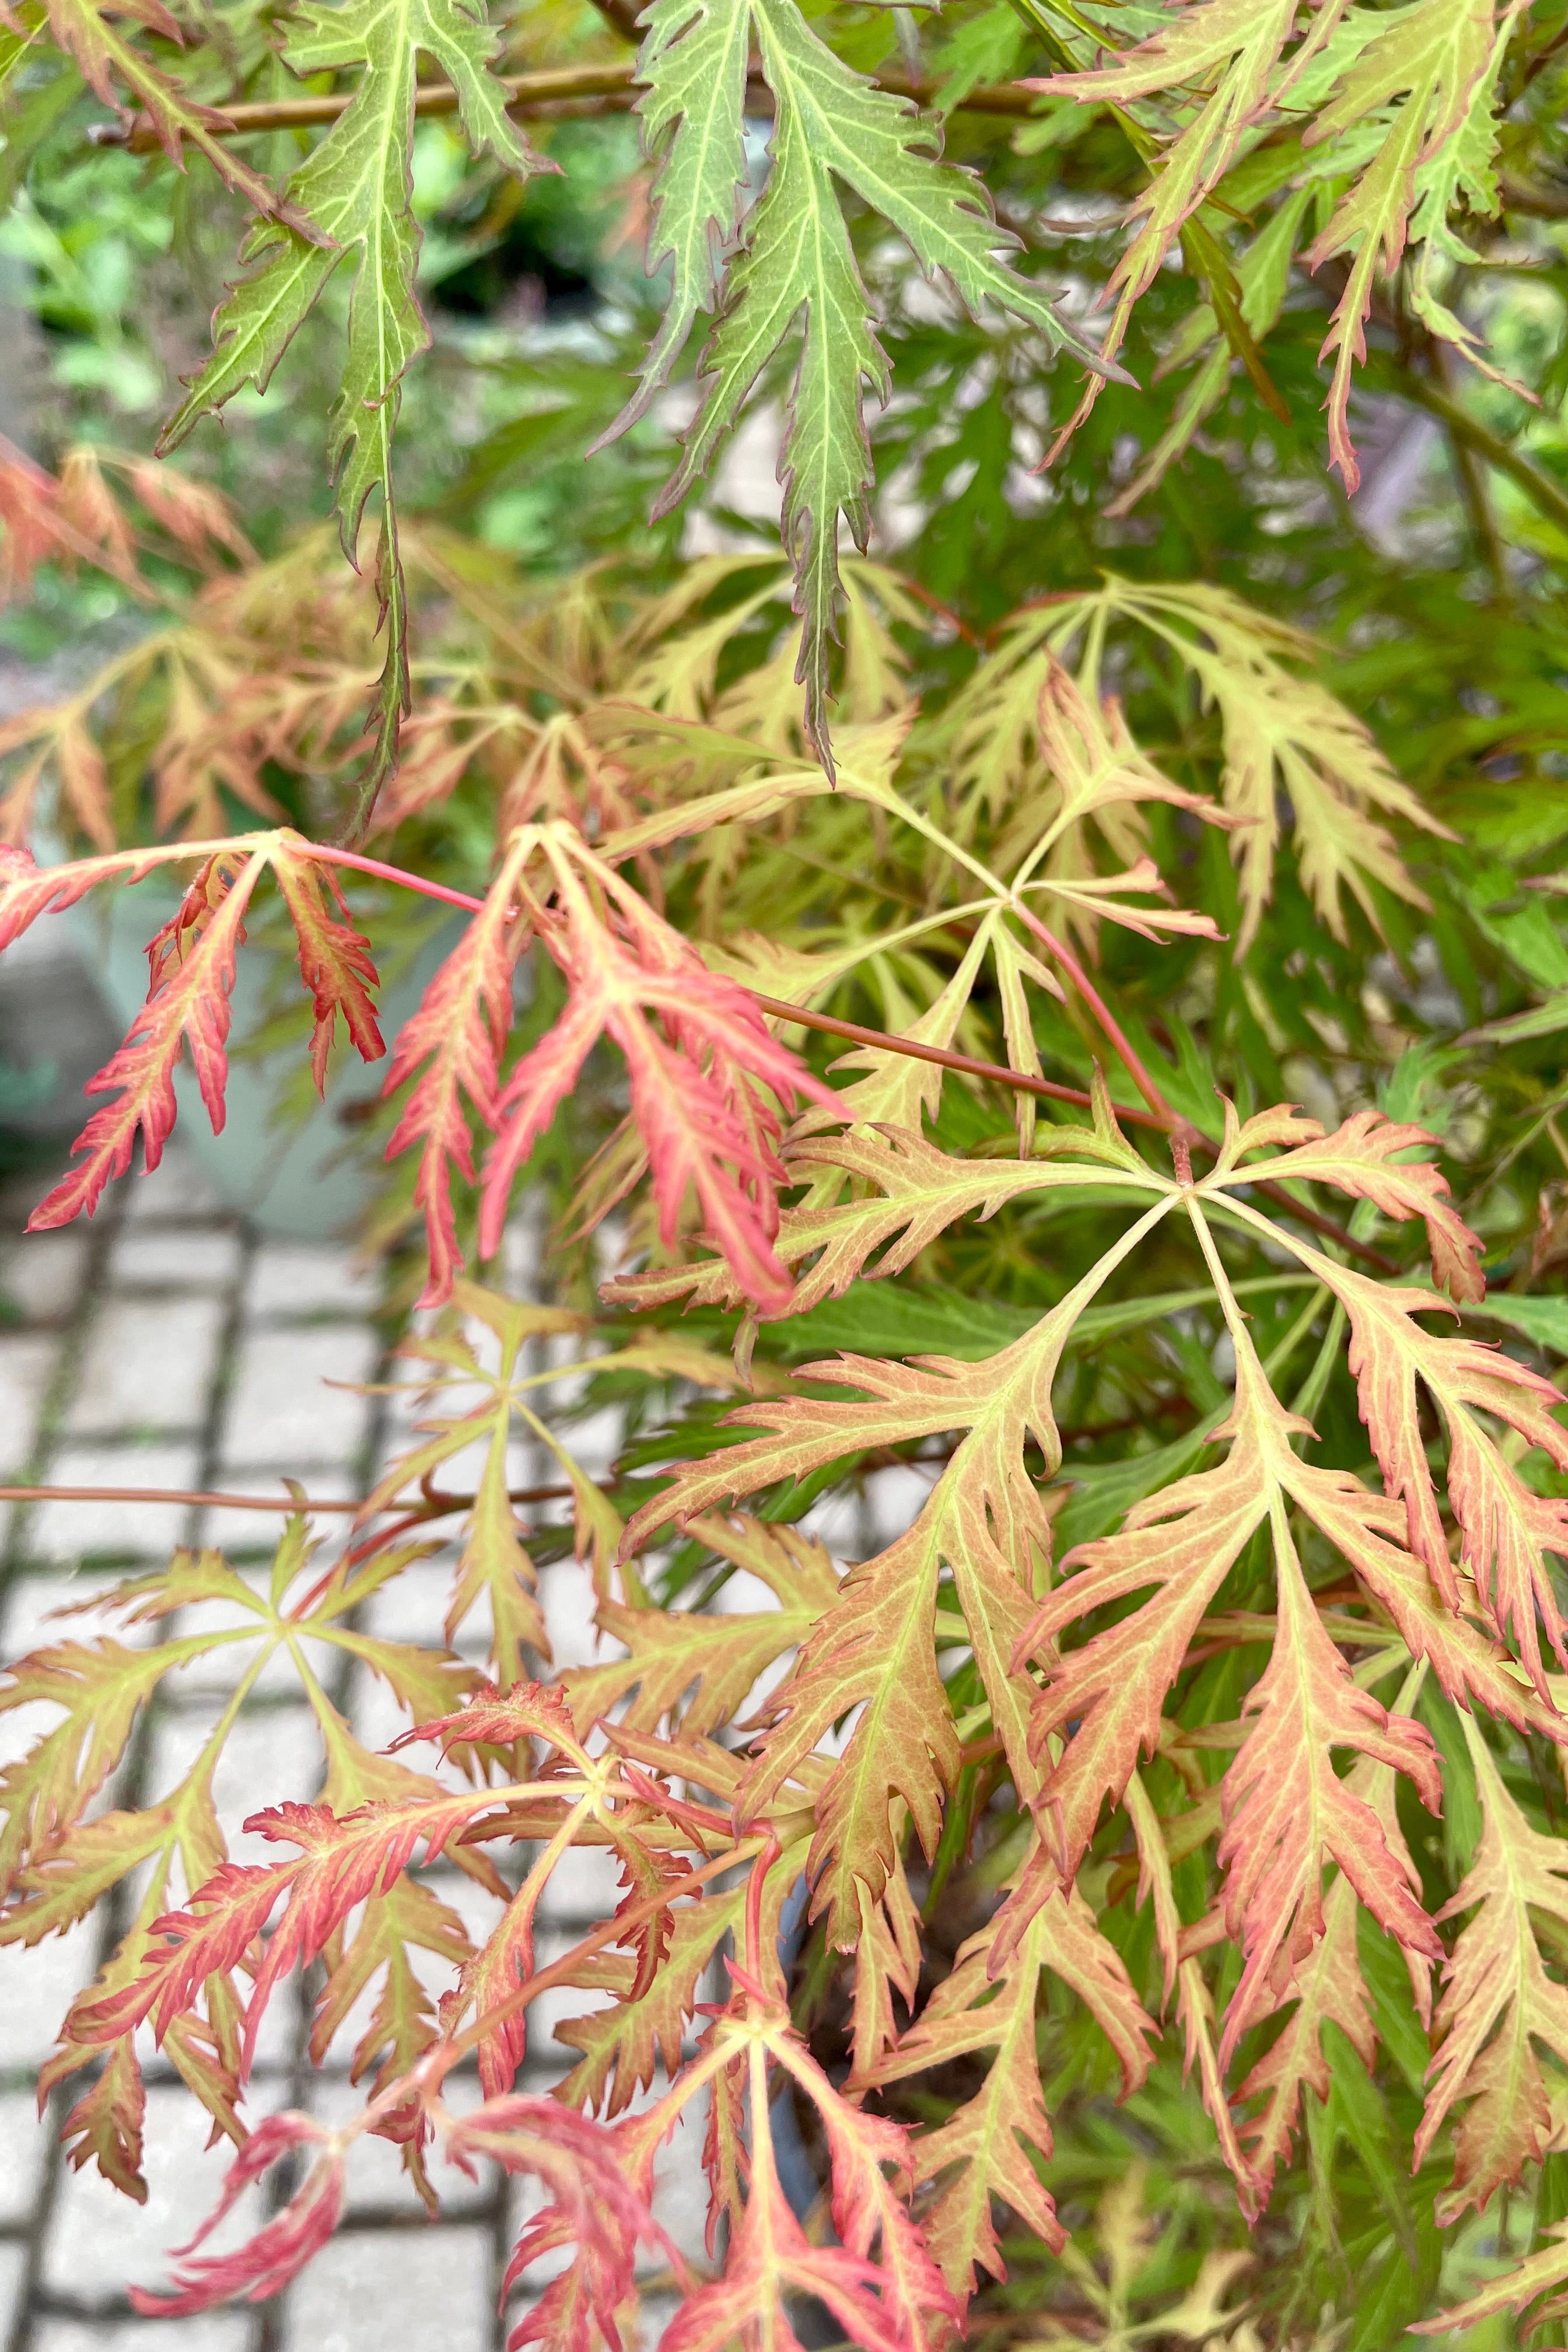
(356, 188)
(794, 257)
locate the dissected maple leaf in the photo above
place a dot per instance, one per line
(983, 2153)
(710, 1659)
(1498, 2000)
(282, 2246)
(341, 1863)
(1440, 59)
(1287, 1811)
(352, 196)
(694, 1077)
(334, 961)
(192, 961)
(693, 1080)
(792, 257)
(457, 1032)
(1224, 49)
(106, 55)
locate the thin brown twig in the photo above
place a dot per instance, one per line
(435, 1504)
(609, 88)
(886, 1042)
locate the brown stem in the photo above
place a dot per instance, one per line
(554, 89)
(967, 1063)
(1315, 1222)
(435, 1504)
(1126, 1053)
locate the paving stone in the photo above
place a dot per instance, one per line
(34, 1612)
(584, 1887)
(147, 1366)
(566, 1593)
(412, 1606)
(99, 2242)
(133, 1530)
(207, 2331)
(22, 2152)
(26, 1360)
(13, 2268)
(290, 1279)
(43, 1274)
(40, 1984)
(175, 1192)
(252, 1534)
(269, 1758)
(280, 1410)
(157, 1259)
(593, 1442)
(437, 2282)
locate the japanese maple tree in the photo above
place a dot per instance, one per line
(1024, 1055)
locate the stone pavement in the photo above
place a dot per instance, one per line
(164, 1345)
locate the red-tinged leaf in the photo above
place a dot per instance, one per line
(194, 513)
(726, 2155)
(71, 518)
(342, 1862)
(1327, 1990)
(625, 2043)
(711, 1660)
(192, 961)
(279, 2250)
(920, 1192)
(494, 1719)
(981, 2154)
(28, 890)
(1472, 1669)
(1004, 1400)
(873, 1650)
(1506, 1531)
(1287, 1811)
(770, 2261)
(457, 1032)
(1360, 1159)
(694, 1074)
(887, 1961)
(599, 2208)
(335, 962)
(1498, 2000)
(1112, 1690)
(105, 2126)
(407, 1919)
(870, 2210)
(1330, 1991)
